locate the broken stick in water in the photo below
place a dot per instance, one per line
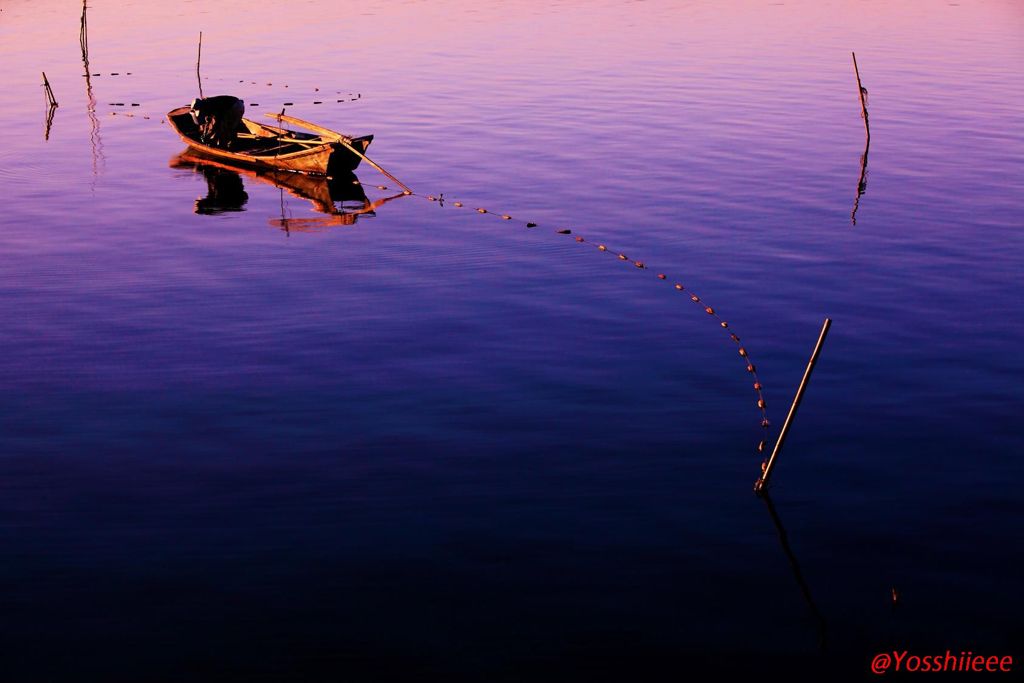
(50, 99)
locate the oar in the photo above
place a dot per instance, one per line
(337, 137)
(325, 132)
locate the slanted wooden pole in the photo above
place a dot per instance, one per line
(862, 91)
(763, 481)
(49, 92)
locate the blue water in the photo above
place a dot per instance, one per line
(437, 444)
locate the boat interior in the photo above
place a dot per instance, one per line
(253, 139)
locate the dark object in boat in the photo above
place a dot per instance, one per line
(270, 147)
(218, 119)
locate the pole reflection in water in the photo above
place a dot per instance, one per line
(795, 565)
(95, 142)
(50, 111)
(862, 182)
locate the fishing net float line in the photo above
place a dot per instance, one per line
(677, 286)
(639, 265)
(326, 96)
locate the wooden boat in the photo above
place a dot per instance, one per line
(323, 152)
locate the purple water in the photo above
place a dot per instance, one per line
(436, 444)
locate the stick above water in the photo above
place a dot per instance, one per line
(51, 100)
(199, 58)
(862, 91)
(763, 481)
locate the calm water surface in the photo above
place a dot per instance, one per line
(432, 443)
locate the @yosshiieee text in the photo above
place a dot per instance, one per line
(898, 661)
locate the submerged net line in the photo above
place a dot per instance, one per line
(677, 286)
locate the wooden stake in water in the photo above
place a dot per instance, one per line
(862, 91)
(51, 100)
(862, 181)
(763, 481)
(199, 58)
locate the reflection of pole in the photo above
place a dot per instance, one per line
(49, 120)
(95, 143)
(797, 574)
(862, 182)
(763, 481)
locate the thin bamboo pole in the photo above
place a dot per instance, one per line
(862, 91)
(763, 481)
(199, 58)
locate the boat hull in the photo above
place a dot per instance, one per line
(269, 147)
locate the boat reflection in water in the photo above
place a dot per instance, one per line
(341, 199)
